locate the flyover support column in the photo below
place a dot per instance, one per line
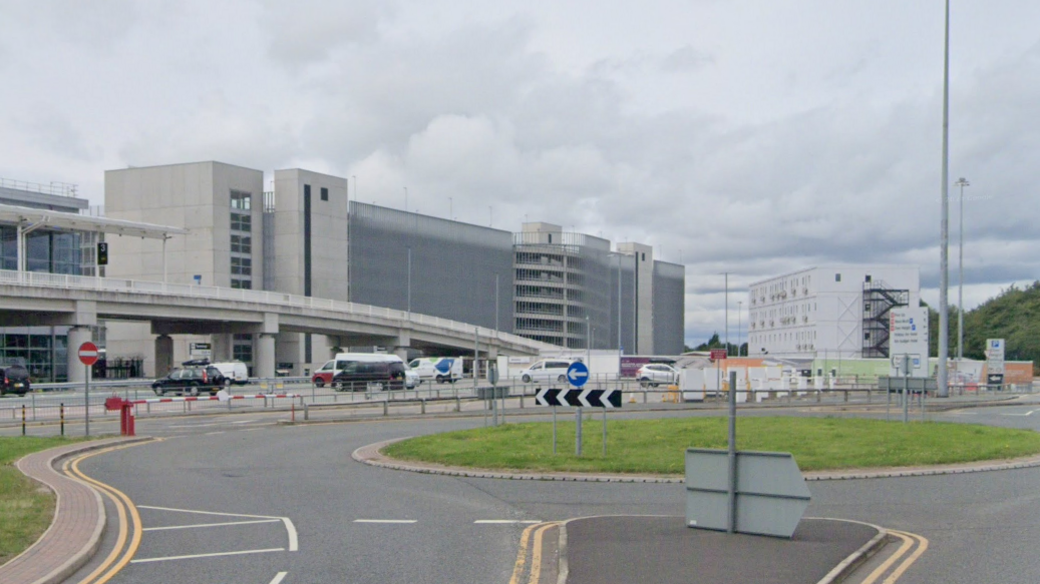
(401, 345)
(163, 355)
(77, 336)
(265, 355)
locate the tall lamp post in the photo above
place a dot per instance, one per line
(961, 182)
(944, 240)
(740, 308)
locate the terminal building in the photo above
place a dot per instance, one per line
(305, 237)
(829, 312)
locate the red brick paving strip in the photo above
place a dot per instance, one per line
(75, 531)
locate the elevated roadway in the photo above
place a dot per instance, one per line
(44, 299)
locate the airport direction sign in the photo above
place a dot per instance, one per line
(995, 356)
(579, 398)
(88, 353)
(908, 335)
(577, 374)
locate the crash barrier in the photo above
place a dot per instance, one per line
(48, 409)
(126, 407)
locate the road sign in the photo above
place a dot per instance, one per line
(771, 493)
(577, 374)
(908, 335)
(579, 398)
(718, 354)
(995, 356)
(88, 353)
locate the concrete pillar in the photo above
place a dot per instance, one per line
(163, 355)
(77, 336)
(401, 352)
(222, 347)
(265, 355)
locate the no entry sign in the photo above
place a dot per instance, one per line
(88, 353)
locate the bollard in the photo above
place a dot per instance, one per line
(423, 409)
(818, 393)
(306, 412)
(521, 401)
(386, 408)
(644, 396)
(846, 396)
(458, 403)
(23, 419)
(292, 408)
(61, 411)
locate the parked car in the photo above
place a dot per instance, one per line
(323, 376)
(190, 380)
(234, 372)
(439, 369)
(411, 378)
(14, 379)
(546, 370)
(654, 374)
(369, 372)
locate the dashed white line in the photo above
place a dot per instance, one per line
(213, 433)
(402, 521)
(214, 555)
(209, 525)
(279, 577)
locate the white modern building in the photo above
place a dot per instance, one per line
(838, 311)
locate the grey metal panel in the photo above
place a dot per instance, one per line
(623, 302)
(669, 308)
(771, 494)
(268, 235)
(454, 265)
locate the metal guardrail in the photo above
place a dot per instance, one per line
(66, 281)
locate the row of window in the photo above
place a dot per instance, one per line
(241, 244)
(241, 266)
(241, 222)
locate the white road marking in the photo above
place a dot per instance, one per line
(385, 520)
(209, 525)
(279, 577)
(198, 425)
(247, 422)
(1029, 413)
(294, 542)
(505, 522)
(214, 555)
(213, 433)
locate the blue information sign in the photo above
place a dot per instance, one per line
(577, 374)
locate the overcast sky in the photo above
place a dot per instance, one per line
(753, 137)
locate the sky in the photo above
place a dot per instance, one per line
(748, 137)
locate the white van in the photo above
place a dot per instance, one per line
(439, 369)
(546, 370)
(234, 372)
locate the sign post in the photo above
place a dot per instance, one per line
(995, 363)
(577, 375)
(88, 355)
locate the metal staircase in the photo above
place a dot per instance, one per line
(878, 301)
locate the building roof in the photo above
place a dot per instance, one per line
(13, 214)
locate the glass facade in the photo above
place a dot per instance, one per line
(57, 252)
(43, 350)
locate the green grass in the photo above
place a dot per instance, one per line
(26, 508)
(658, 446)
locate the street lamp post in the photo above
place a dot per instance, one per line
(944, 239)
(740, 308)
(961, 182)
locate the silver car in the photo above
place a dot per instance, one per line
(654, 374)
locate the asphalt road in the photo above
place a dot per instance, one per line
(981, 527)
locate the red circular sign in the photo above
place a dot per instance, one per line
(88, 353)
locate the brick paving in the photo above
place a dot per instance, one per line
(75, 531)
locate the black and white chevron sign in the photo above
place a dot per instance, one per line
(579, 398)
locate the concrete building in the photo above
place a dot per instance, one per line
(829, 311)
(304, 237)
(221, 206)
(572, 290)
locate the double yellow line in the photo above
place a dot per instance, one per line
(535, 572)
(911, 541)
(123, 551)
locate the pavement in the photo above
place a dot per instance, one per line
(79, 519)
(596, 549)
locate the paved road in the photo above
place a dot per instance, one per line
(981, 527)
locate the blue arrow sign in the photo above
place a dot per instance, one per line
(577, 374)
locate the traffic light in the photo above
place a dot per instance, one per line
(102, 253)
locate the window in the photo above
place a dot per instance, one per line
(241, 284)
(868, 278)
(837, 277)
(324, 194)
(241, 222)
(241, 244)
(242, 266)
(241, 200)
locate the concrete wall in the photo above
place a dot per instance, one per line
(195, 196)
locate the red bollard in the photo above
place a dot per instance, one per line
(127, 425)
